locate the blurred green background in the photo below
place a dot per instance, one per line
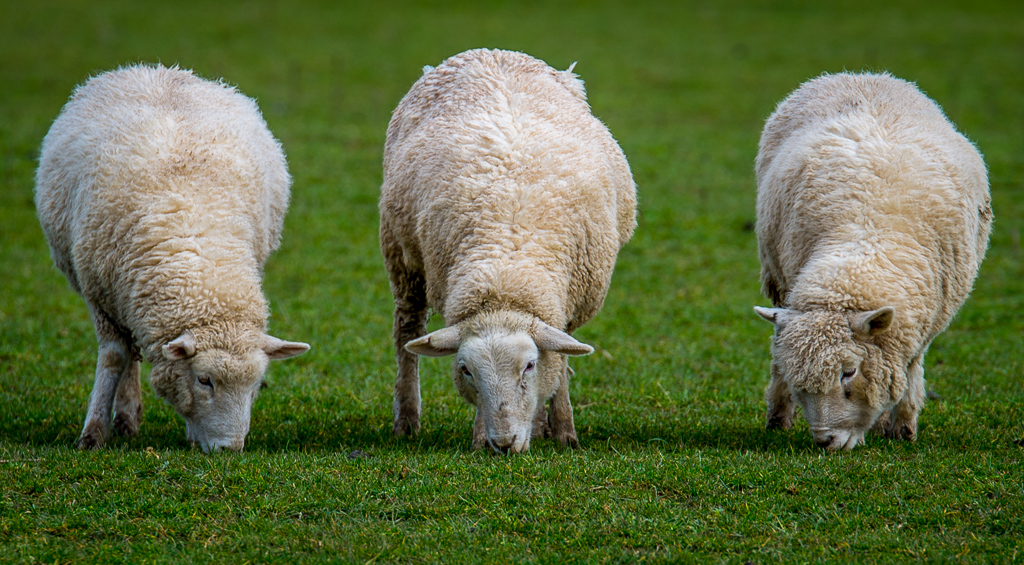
(674, 462)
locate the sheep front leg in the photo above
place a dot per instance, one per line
(411, 314)
(903, 418)
(779, 401)
(128, 402)
(479, 431)
(540, 422)
(560, 422)
(111, 365)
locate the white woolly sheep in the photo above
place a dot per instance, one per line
(873, 217)
(503, 208)
(161, 196)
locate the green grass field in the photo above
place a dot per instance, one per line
(674, 464)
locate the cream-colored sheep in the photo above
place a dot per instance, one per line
(873, 217)
(503, 208)
(161, 195)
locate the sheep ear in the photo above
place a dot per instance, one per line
(280, 349)
(444, 341)
(183, 347)
(548, 338)
(776, 316)
(874, 322)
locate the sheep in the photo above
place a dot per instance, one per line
(161, 195)
(873, 217)
(503, 207)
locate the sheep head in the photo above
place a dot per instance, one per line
(835, 365)
(507, 365)
(213, 388)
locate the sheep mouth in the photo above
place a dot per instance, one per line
(506, 448)
(838, 440)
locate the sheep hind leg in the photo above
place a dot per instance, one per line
(779, 401)
(111, 364)
(560, 421)
(128, 402)
(903, 418)
(411, 315)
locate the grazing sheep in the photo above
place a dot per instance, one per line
(873, 217)
(161, 196)
(503, 208)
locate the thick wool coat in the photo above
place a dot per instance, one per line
(161, 195)
(868, 197)
(504, 192)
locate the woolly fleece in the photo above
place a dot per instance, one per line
(161, 196)
(504, 191)
(502, 195)
(867, 198)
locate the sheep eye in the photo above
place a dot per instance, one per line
(204, 380)
(530, 366)
(465, 372)
(848, 374)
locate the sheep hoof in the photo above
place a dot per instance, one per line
(91, 439)
(906, 431)
(779, 422)
(125, 425)
(406, 426)
(568, 439)
(882, 425)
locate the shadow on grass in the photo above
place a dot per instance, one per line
(343, 433)
(357, 433)
(716, 435)
(363, 432)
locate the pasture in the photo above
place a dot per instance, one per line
(674, 461)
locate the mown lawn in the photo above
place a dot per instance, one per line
(674, 463)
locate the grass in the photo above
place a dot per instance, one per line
(675, 464)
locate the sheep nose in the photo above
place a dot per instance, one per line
(824, 443)
(233, 445)
(502, 447)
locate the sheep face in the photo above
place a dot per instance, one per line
(214, 389)
(834, 368)
(507, 374)
(501, 374)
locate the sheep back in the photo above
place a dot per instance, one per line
(161, 195)
(504, 191)
(867, 197)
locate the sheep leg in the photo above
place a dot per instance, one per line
(903, 418)
(128, 402)
(111, 364)
(479, 431)
(560, 420)
(540, 422)
(882, 424)
(411, 315)
(780, 402)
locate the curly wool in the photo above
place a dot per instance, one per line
(868, 197)
(162, 195)
(521, 197)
